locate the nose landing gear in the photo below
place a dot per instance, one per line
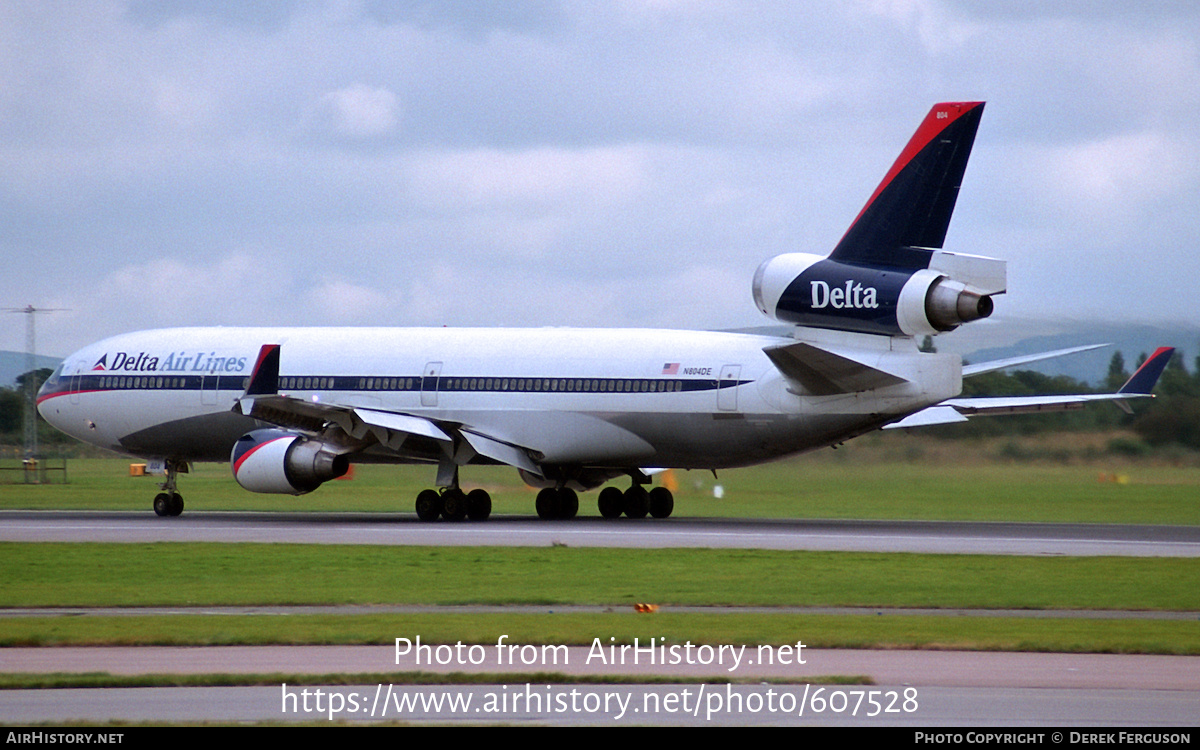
(169, 502)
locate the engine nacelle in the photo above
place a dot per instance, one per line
(281, 462)
(810, 290)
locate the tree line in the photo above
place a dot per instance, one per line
(1173, 416)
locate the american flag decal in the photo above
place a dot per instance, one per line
(671, 368)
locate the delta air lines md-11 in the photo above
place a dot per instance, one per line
(571, 409)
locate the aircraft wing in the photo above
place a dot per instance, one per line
(954, 410)
(403, 434)
(824, 373)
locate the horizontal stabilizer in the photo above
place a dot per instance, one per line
(823, 373)
(1138, 386)
(989, 406)
(1001, 364)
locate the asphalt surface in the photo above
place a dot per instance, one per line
(913, 688)
(948, 537)
(921, 688)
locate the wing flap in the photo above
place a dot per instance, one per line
(500, 451)
(401, 423)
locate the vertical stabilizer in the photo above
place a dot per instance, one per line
(911, 208)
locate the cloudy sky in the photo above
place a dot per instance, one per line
(620, 163)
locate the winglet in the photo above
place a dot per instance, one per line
(1143, 381)
(264, 380)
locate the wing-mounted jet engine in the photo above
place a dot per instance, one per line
(277, 461)
(888, 274)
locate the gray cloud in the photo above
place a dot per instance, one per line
(623, 163)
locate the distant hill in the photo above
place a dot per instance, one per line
(12, 366)
(1092, 367)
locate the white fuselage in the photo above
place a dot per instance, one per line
(584, 397)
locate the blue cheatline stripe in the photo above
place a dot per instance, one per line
(101, 382)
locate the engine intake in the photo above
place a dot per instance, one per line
(281, 462)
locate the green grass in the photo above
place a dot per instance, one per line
(196, 574)
(902, 479)
(815, 631)
(823, 485)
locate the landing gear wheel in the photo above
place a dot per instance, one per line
(637, 502)
(568, 503)
(662, 502)
(611, 502)
(547, 504)
(169, 502)
(454, 505)
(479, 505)
(429, 505)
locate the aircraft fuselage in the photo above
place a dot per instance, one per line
(592, 397)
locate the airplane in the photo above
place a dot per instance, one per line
(571, 409)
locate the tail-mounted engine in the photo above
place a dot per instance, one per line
(810, 290)
(281, 462)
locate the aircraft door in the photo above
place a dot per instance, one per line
(727, 387)
(429, 383)
(208, 389)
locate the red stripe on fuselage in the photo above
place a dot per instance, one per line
(49, 396)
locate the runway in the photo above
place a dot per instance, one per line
(946, 537)
(951, 688)
(914, 688)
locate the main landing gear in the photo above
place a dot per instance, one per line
(552, 504)
(454, 505)
(636, 502)
(169, 502)
(562, 503)
(557, 504)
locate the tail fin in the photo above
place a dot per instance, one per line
(911, 208)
